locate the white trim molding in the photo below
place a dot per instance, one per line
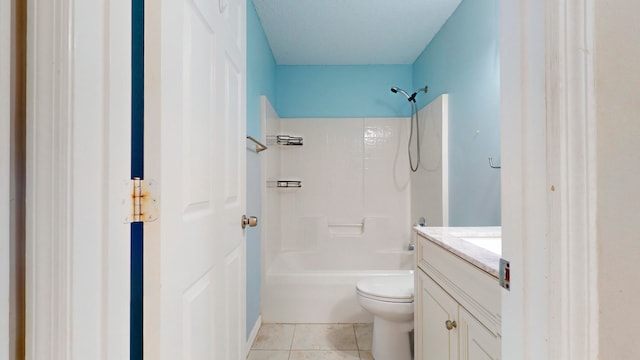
(48, 219)
(523, 155)
(78, 157)
(571, 169)
(548, 180)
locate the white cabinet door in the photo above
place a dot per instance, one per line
(433, 340)
(195, 62)
(476, 341)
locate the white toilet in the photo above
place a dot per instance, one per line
(390, 300)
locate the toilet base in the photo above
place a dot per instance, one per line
(391, 340)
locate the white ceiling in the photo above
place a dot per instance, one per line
(351, 32)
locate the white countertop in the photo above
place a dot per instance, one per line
(480, 246)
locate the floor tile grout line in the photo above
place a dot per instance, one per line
(355, 333)
(293, 336)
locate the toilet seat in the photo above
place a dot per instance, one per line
(385, 299)
(395, 289)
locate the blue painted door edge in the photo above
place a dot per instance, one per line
(137, 170)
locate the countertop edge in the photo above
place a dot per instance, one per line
(477, 256)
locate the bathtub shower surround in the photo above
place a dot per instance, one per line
(349, 220)
(430, 184)
(351, 169)
(271, 243)
(355, 185)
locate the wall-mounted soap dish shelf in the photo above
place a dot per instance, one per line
(284, 184)
(289, 140)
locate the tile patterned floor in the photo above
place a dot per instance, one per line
(312, 342)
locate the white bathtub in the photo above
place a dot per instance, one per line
(312, 287)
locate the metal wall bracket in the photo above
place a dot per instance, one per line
(491, 165)
(259, 146)
(140, 203)
(505, 274)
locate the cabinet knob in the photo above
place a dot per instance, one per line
(450, 324)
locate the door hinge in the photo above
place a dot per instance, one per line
(140, 203)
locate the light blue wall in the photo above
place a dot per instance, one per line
(463, 61)
(342, 91)
(261, 71)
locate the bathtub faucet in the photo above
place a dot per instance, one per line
(421, 222)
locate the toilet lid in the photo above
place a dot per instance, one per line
(390, 288)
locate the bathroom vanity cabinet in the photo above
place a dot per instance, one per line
(457, 303)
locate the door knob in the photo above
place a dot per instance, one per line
(450, 324)
(251, 221)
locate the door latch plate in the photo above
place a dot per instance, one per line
(505, 274)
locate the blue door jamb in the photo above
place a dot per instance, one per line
(137, 170)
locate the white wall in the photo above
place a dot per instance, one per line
(617, 68)
(430, 184)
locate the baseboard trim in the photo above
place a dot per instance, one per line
(253, 335)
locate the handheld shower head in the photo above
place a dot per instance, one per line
(396, 90)
(414, 115)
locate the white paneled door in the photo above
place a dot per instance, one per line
(195, 150)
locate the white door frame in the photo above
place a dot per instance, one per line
(548, 182)
(5, 128)
(78, 157)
